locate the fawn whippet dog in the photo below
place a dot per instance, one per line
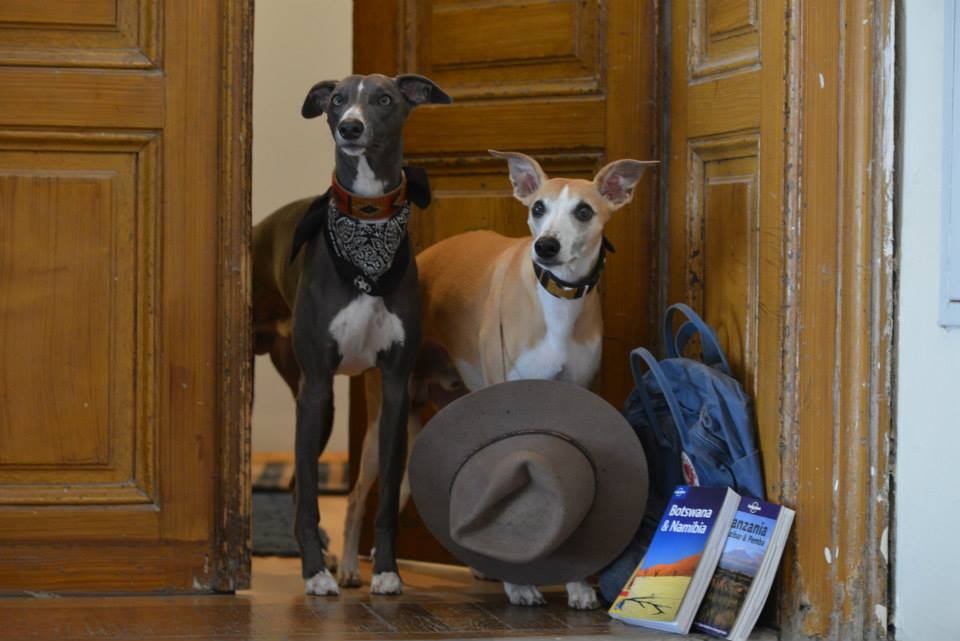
(342, 263)
(498, 309)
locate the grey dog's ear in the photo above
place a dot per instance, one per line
(420, 90)
(317, 98)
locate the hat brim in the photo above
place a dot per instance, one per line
(476, 419)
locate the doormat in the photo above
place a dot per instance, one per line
(273, 507)
(274, 471)
(273, 527)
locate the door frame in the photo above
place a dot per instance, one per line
(235, 366)
(833, 424)
(840, 178)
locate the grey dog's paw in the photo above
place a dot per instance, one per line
(386, 583)
(322, 584)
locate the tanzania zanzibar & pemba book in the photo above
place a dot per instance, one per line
(743, 577)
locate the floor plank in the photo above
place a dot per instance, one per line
(440, 602)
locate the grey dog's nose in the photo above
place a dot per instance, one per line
(547, 247)
(350, 129)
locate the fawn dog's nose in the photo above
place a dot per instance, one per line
(547, 247)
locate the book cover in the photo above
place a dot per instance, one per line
(655, 593)
(747, 542)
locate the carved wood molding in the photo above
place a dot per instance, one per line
(553, 163)
(724, 38)
(232, 570)
(716, 165)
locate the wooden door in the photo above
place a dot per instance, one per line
(726, 188)
(780, 234)
(124, 343)
(572, 83)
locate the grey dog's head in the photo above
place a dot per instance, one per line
(366, 113)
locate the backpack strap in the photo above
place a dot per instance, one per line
(712, 352)
(643, 354)
(652, 420)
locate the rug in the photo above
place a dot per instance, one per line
(274, 471)
(273, 508)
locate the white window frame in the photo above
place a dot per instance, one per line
(950, 234)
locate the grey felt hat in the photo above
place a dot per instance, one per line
(531, 482)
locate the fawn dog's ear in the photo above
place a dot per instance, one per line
(525, 173)
(616, 181)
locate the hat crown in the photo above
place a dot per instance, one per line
(520, 497)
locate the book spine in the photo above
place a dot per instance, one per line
(708, 561)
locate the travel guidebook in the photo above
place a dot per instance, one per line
(740, 585)
(665, 590)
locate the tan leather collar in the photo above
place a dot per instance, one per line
(563, 289)
(364, 208)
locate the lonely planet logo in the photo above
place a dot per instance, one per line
(754, 507)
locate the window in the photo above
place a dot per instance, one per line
(950, 248)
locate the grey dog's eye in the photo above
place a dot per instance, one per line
(337, 100)
(385, 100)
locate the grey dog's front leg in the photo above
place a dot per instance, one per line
(314, 424)
(393, 452)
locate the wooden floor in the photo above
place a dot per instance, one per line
(439, 603)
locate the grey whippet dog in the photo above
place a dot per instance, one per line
(335, 292)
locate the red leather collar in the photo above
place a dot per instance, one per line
(364, 208)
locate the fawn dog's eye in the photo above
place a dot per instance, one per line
(538, 209)
(583, 212)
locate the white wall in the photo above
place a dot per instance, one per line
(927, 561)
(296, 44)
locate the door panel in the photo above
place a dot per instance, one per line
(541, 48)
(572, 83)
(77, 228)
(112, 297)
(94, 33)
(724, 36)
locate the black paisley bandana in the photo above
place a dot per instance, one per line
(369, 247)
(371, 255)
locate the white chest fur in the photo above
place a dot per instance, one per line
(366, 182)
(557, 355)
(363, 329)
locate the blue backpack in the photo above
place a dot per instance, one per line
(696, 426)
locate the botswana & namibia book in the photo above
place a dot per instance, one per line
(665, 590)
